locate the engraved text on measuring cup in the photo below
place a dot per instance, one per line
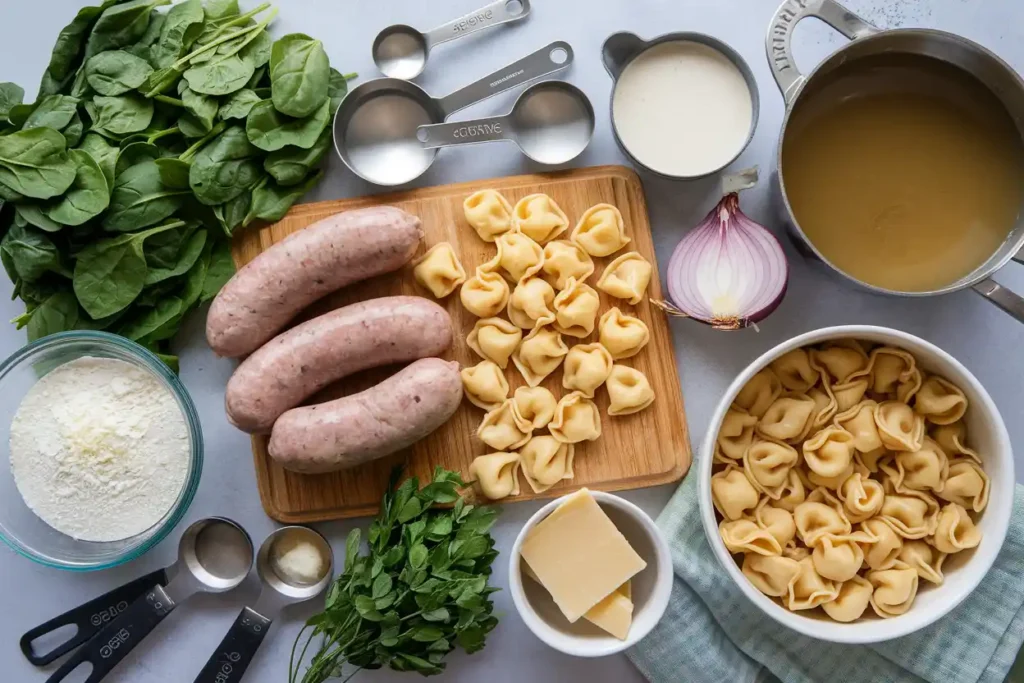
(477, 130)
(224, 672)
(116, 641)
(470, 22)
(508, 77)
(105, 615)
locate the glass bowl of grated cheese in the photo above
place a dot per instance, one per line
(102, 450)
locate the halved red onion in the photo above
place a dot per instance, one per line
(728, 272)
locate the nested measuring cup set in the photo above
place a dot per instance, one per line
(215, 555)
(388, 130)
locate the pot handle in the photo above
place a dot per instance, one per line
(1001, 297)
(779, 42)
(618, 49)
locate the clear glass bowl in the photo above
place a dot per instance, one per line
(19, 527)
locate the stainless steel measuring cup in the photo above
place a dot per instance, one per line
(375, 126)
(214, 556)
(551, 122)
(400, 51)
(232, 657)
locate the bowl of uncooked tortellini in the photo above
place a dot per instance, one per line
(856, 483)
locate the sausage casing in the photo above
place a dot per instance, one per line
(371, 424)
(334, 252)
(296, 364)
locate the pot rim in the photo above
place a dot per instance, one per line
(983, 271)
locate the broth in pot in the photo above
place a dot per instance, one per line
(904, 172)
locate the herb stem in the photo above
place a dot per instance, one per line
(189, 153)
(173, 101)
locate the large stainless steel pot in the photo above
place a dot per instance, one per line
(867, 40)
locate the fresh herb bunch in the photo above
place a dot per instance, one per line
(156, 134)
(422, 589)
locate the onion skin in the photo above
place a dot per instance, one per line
(728, 272)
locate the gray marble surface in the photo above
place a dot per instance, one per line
(987, 341)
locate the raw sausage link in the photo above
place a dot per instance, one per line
(296, 364)
(384, 419)
(267, 292)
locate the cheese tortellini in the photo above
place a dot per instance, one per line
(489, 213)
(626, 277)
(586, 368)
(533, 299)
(519, 256)
(600, 231)
(564, 260)
(534, 407)
(494, 339)
(623, 335)
(496, 474)
(439, 270)
(500, 430)
(485, 385)
(576, 309)
(540, 353)
(538, 217)
(546, 461)
(576, 419)
(844, 477)
(629, 391)
(484, 294)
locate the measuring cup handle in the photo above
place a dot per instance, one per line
(1002, 297)
(88, 618)
(232, 657)
(536, 65)
(119, 637)
(465, 132)
(779, 43)
(499, 12)
(618, 49)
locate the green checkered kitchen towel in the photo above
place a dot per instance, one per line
(712, 633)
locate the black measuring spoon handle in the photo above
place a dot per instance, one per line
(232, 657)
(119, 637)
(89, 617)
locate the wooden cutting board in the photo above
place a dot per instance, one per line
(649, 448)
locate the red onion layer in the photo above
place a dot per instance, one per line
(728, 272)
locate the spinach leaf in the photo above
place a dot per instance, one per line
(270, 130)
(201, 112)
(36, 292)
(239, 104)
(119, 25)
(289, 165)
(221, 9)
(57, 313)
(30, 252)
(186, 258)
(73, 131)
(270, 201)
(110, 273)
(120, 115)
(196, 277)
(87, 197)
(10, 95)
(257, 50)
(221, 76)
(151, 319)
(33, 214)
(19, 113)
(177, 33)
(53, 111)
(224, 168)
(33, 163)
(337, 88)
(235, 211)
(149, 38)
(173, 173)
(299, 75)
(135, 153)
(141, 199)
(116, 72)
(68, 48)
(103, 152)
(220, 270)
(161, 250)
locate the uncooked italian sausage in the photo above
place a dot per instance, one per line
(268, 291)
(296, 364)
(384, 419)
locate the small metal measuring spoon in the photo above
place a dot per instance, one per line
(375, 126)
(551, 122)
(214, 556)
(400, 51)
(232, 657)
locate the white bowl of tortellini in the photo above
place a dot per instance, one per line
(856, 483)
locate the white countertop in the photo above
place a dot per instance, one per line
(986, 340)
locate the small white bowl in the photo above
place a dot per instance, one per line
(963, 571)
(651, 587)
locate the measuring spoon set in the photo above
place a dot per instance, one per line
(214, 556)
(388, 130)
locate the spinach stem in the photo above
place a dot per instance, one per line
(173, 101)
(162, 134)
(191, 151)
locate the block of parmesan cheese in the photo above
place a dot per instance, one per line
(614, 614)
(579, 556)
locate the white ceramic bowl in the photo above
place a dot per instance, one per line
(963, 571)
(651, 587)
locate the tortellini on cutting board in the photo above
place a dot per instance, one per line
(518, 255)
(600, 231)
(576, 309)
(546, 461)
(623, 335)
(485, 294)
(540, 353)
(489, 213)
(576, 419)
(626, 277)
(629, 391)
(496, 474)
(563, 260)
(533, 407)
(439, 270)
(485, 385)
(538, 217)
(586, 368)
(494, 339)
(500, 431)
(532, 300)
